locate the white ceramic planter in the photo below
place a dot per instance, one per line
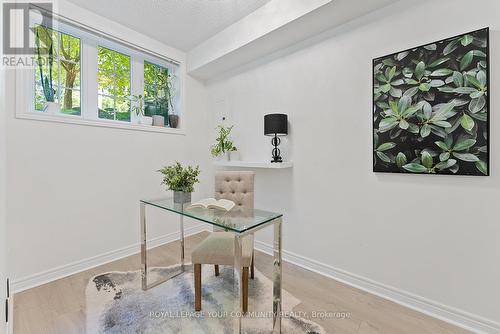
(52, 108)
(226, 156)
(234, 156)
(146, 120)
(158, 120)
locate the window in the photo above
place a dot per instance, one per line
(82, 77)
(113, 84)
(158, 90)
(57, 72)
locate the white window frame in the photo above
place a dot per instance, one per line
(25, 85)
(114, 97)
(59, 75)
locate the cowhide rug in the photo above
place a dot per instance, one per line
(117, 304)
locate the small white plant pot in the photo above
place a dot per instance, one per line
(234, 156)
(224, 157)
(146, 120)
(52, 108)
(158, 120)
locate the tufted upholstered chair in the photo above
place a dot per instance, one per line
(218, 247)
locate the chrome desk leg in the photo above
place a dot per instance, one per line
(144, 262)
(238, 286)
(277, 276)
(144, 251)
(182, 242)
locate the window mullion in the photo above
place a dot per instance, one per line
(136, 82)
(88, 80)
(59, 40)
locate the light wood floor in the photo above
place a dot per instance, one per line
(59, 306)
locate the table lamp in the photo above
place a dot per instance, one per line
(276, 125)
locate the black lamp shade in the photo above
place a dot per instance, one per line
(276, 124)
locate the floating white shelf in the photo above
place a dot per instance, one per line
(252, 164)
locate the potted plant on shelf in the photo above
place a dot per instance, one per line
(173, 118)
(180, 180)
(223, 147)
(156, 108)
(51, 107)
(139, 108)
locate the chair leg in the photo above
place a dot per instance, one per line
(252, 276)
(197, 287)
(216, 269)
(245, 289)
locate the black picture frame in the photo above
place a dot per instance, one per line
(414, 145)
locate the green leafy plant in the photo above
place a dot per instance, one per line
(379, 151)
(46, 79)
(426, 164)
(430, 112)
(387, 82)
(169, 91)
(223, 144)
(179, 178)
(138, 108)
(159, 90)
(398, 114)
(164, 94)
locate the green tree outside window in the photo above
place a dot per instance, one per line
(157, 90)
(65, 69)
(113, 84)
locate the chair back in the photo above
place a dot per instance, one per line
(236, 186)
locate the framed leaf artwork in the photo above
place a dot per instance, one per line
(431, 108)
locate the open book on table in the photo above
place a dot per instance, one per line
(212, 203)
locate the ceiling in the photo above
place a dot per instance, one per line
(182, 24)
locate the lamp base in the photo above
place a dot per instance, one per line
(276, 151)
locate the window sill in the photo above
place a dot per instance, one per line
(69, 119)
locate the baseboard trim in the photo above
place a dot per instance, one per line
(28, 282)
(434, 309)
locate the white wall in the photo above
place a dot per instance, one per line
(74, 190)
(434, 239)
(3, 197)
(3, 201)
(3, 215)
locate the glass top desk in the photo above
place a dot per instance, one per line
(241, 223)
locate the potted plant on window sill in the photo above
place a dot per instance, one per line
(180, 180)
(138, 108)
(51, 107)
(223, 147)
(173, 118)
(155, 109)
